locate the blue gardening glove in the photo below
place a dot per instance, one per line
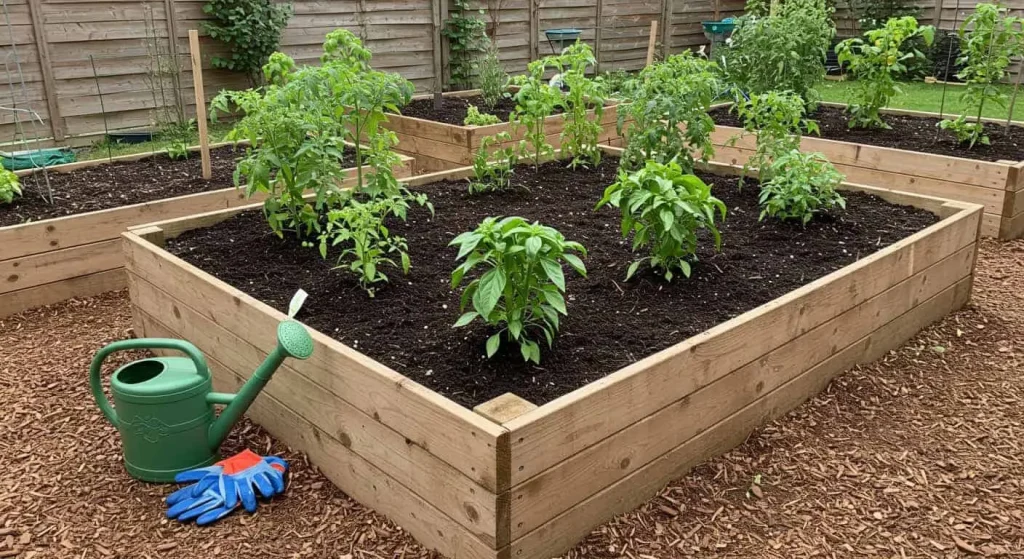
(267, 477)
(219, 488)
(206, 508)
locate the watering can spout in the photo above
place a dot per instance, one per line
(292, 341)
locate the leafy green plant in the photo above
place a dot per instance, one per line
(522, 288)
(784, 50)
(617, 84)
(10, 186)
(579, 137)
(877, 60)
(177, 151)
(777, 120)
(801, 185)
(369, 244)
(989, 40)
(492, 165)
(475, 118)
(250, 28)
(493, 79)
(664, 207)
(536, 99)
(670, 120)
(466, 39)
(278, 68)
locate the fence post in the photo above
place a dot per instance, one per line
(197, 82)
(666, 21)
(49, 89)
(938, 14)
(534, 30)
(598, 26)
(435, 38)
(652, 41)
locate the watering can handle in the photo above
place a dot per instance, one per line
(142, 343)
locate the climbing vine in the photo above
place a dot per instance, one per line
(466, 39)
(250, 28)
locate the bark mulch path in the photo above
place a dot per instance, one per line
(917, 455)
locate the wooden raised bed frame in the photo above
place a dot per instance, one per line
(998, 186)
(517, 481)
(47, 261)
(438, 146)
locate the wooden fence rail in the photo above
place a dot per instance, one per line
(46, 46)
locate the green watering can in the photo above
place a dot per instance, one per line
(164, 405)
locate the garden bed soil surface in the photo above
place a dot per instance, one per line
(611, 323)
(122, 183)
(453, 109)
(913, 133)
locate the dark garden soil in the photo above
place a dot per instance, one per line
(112, 185)
(911, 133)
(453, 109)
(611, 323)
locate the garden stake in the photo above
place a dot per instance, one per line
(945, 79)
(1013, 99)
(163, 406)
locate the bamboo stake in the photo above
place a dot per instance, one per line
(197, 82)
(652, 42)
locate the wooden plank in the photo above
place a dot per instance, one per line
(1012, 228)
(504, 408)
(421, 128)
(43, 48)
(534, 30)
(573, 422)
(465, 440)
(563, 532)
(362, 480)
(197, 84)
(652, 41)
(68, 167)
(49, 267)
(600, 465)
(82, 286)
(456, 495)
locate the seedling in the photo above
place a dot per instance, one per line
(492, 166)
(370, 245)
(777, 120)
(475, 118)
(801, 186)
(10, 186)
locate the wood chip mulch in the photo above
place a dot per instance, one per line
(918, 455)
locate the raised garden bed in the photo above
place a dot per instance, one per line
(49, 253)
(907, 159)
(515, 480)
(439, 145)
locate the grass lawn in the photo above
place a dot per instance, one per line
(920, 96)
(216, 133)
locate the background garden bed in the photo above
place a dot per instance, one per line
(997, 185)
(49, 260)
(529, 486)
(439, 146)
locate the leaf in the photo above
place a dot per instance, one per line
(632, 269)
(489, 292)
(466, 319)
(492, 345)
(556, 300)
(576, 264)
(554, 272)
(533, 245)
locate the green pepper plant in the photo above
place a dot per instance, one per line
(989, 40)
(493, 164)
(877, 60)
(10, 186)
(522, 288)
(801, 186)
(777, 120)
(669, 111)
(664, 207)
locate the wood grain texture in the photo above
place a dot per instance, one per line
(14, 302)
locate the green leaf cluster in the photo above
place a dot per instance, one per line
(664, 207)
(493, 78)
(467, 38)
(989, 39)
(669, 112)
(522, 287)
(877, 59)
(10, 186)
(536, 99)
(475, 118)
(250, 28)
(782, 50)
(583, 103)
(777, 119)
(493, 164)
(177, 151)
(801, 185)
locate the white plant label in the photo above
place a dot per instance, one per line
(296, 304)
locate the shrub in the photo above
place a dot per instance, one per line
(877, 60)
(535, 101)
(360, 225)
(493, 79)
(522, 288)
(989, 39)
(664, 207)
(669, 111)
(777, 119)
(475, 118)
(10, 186)
(784, 51)
(582, 127)
(250, 28)
(493, 166)
(801, 185)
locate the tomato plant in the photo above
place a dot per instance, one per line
(801, 185)
(777, 120)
